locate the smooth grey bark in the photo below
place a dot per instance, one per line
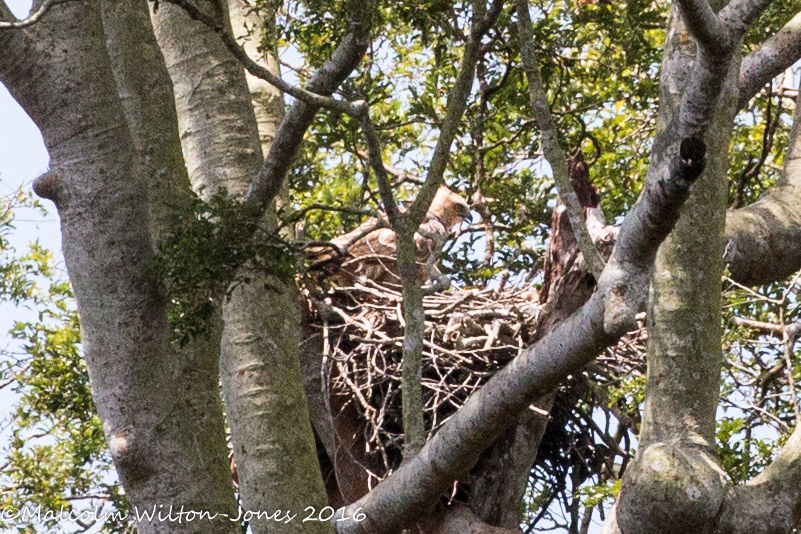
(758, 235)
(772, 58)
(268, 182)
(215, 116)
(610, 525)
(145, 92)
(59, 71)
(769, 503)
(252, 28)
(408, 494)
(266, 405)
(414, 431)
(675, 481)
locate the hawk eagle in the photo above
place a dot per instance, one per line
(371, 252)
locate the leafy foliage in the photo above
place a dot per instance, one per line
(756, 395)
(16, 274)
(56, 460)
(200, 261)
(600, 64)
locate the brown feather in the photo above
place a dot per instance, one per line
(373, 255)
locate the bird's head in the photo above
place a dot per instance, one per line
(450, 208)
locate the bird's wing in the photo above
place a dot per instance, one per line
(374, 256)
(430, 238)
(378, 243)
(424, 248)
(344, 243)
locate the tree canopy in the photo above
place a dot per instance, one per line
(182, 290)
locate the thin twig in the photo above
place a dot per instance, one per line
(230, 42)
(31, 19)
(789, 343)
(377, 164)
(550, 142)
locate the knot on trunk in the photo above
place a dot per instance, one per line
(671, 488)
(48, 185)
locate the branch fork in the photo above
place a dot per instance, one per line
(407, 494)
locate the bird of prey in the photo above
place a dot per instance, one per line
(371, 252)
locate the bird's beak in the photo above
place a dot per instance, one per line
(468, 218)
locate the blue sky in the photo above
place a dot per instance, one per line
(23, 157)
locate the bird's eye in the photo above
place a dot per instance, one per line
(459, 208)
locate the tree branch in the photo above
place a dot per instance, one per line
(5, 13)
(459, 519)
(267, 183)
(457, 102)
(406, 225)
(257, 70)
(773, 57)
(414, 431)
(33, 18)
(792, 329)
(770, 501)
(377, 164)
(290, 134)
(757, 251)
(298, 215)
(718, 37)
(701, 96)
(408, 493)
(414, 318)
(550, 142)
(740, 14)
(402, 176)
(705, 26)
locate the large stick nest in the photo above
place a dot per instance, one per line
(470, 334)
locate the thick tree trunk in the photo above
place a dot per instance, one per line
(267, 410)
(675, 482)
(215, 115)
(338, 424)
(502, 472)
(252, 29)
(146, 94)
(153, 401)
